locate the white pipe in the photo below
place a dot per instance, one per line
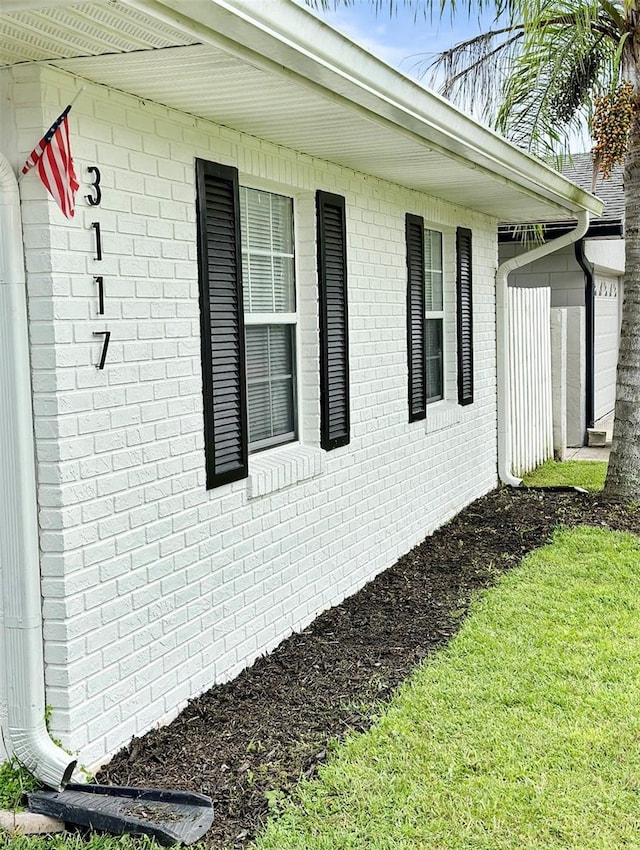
(19, 552)
(502, 328)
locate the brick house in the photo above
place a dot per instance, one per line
(261, 360)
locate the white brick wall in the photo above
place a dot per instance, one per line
(559, 270)
(155, 588)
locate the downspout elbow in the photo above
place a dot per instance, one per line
(33, 748)
(23, 666)
(505, 473)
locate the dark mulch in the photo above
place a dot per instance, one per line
(273, 724)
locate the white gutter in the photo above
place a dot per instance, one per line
(19, 552)
(502, 326)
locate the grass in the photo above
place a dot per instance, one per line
(15, 780)
(522, 733)
(576, 473)
(67, 841)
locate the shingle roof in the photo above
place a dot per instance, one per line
(580, 170)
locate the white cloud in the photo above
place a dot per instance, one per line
(389, 41)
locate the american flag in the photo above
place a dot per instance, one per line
(52, 156)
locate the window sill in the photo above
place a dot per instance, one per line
(441, 415)
(283, 467)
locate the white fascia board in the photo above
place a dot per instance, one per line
(607, 255)
(280, 36)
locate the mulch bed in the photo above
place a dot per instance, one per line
(273, 724)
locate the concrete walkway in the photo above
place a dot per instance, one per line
(588, 453)
(595, 452)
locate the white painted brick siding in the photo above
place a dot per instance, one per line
(153, 587)
(559, 270)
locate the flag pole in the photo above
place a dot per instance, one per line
(21, 176)
(77, 95)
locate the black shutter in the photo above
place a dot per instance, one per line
(334, 321)
(464, 315)
(222, 323)
(416, 326)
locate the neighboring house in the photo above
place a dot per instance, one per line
(587, 279)
(293, 249)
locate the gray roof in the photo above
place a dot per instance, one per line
(579, 169)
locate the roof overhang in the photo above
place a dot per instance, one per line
(598, 229)
(276, 71)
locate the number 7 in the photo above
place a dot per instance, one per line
(105, 346)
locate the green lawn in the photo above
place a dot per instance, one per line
(522, 734)
(577, 473)
(15, 781)
(65, 841)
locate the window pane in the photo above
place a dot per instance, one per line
(270, 384)
(281, 223)
(281, 407)
(433, 291)
(259, 413)
(256, 219)
(433, 250)
(433, 270)
(283, 285)
(267, 252)
(257, 348)
(435, 387)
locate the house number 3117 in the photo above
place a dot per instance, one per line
(94, 199)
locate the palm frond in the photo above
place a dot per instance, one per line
(470, 74)
(469, 8)
(536, 73)
(567, 58)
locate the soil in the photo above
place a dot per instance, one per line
(248, 742)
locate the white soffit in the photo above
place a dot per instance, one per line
(219, 87)
(336, 102)
(83, 29)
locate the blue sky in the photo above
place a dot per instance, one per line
(403, 38)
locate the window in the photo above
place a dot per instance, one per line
(247, 318)
(248, 323)
(266, 227)
(434, 314)
(426, 336)
(425, 316)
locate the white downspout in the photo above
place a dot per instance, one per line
(502, 328)
(19, 550)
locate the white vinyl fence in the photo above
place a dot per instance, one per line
(530, 376)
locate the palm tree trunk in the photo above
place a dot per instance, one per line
(623, 475)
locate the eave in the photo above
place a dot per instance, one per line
(287, 77)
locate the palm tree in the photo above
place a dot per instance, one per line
(547, 68)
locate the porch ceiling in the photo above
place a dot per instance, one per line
(303, 86)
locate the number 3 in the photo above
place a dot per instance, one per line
(94, 200)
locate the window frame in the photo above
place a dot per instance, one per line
(435, 315)
(289, 319)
